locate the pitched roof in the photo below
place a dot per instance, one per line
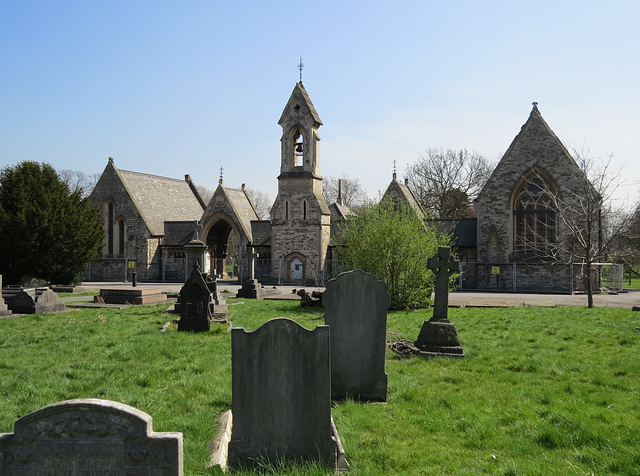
(177, 233)
(535, 145)
(261, 232)
(161, 199)
(397, 190)
(300, 95)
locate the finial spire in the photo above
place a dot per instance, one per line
(395, 175)
(220, 181)
(300, 67)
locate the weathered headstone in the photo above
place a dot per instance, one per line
(4, 310)
(356, 306)
(89, 437)
(195, 303)
(438, 335)
(31, 300)
(281, 394)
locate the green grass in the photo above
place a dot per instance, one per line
(542, 391)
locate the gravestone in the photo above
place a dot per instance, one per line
(281, 394)
(356, 306)
(31, 300)
(195, 303)
(4, 310)
(438, 335)
(89, 437)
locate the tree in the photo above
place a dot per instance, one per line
(48, 231)
(580, 224)
(79, 181)
(205, 193)
(353, 193)
(445, 181)
(390, 241)
(261, 202)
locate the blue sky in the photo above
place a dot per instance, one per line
(175, 88)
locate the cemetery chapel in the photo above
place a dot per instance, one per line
(152, 222)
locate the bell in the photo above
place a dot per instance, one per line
(299, 147)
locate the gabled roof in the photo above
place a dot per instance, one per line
(299, 97)
(161, 199)
(399, 191)
(156, 199)
(536, 145)
(236, 205)
(243, 206)
(339, 211)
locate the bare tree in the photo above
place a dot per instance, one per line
(579, 224)
(446, 181)
(79, 181)
(205, 193)
(261, 201)
(353, 193)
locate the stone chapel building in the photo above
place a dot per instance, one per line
(150, 222)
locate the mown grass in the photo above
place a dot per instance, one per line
(542, 391)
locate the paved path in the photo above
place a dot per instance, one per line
(456, 298)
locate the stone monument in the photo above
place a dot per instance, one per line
(438, 335)
(281, 394)
(195, 303)
(89, 436)
(31, 300)
(4, 310)
(356, 306)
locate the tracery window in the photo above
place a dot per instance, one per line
(534, 215)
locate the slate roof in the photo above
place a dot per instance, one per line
(177, 233)
(261, 232)
(161, 199)
(244, 209)
(464, 230)
(339, 212)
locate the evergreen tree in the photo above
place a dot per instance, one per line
(47, 231)
(390, 241)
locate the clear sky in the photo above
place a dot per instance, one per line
(186, 87)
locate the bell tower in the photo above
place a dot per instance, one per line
(300, 217)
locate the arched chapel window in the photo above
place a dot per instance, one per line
(534, 214)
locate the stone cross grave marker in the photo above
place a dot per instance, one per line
(281, 394)
(356, 306)
(89, 436)
(438, 335)
(443, 267)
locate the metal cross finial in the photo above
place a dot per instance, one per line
(221, 169)
(395, 169)
(300, 67)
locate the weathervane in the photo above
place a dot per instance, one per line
(300, 67)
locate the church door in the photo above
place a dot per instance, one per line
(296, 270)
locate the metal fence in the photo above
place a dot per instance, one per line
(539, 277)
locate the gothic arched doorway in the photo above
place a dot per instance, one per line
(222, 244)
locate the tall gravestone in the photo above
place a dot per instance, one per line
(356, 306)
(89, 437)
(32, 300)
(438, 335)
(281, 394)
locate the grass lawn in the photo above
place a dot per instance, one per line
(541, 392)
